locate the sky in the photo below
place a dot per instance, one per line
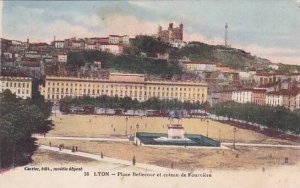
(266, 28)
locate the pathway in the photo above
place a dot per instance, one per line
(106, 159)
(81, 138)
(262, 145)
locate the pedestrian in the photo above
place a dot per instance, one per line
(44, 134)
(50, 144)
(133, 160)
(73, 149)
(172, 165)
(76, 148)
(286, 160)
(101, 155)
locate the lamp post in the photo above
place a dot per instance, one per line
(234, 131)
(55, 109)
(207, 128)
(137, 127)
(184, 140)
(126, 125)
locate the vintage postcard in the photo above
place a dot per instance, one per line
(168, 94)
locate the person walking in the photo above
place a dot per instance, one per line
(133, 160)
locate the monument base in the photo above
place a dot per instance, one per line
(175, 131)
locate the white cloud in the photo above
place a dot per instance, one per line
(275, 54)
(1, 10)
(130, 25)
(202, 38)
(63, 29)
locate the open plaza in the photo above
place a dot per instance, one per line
(98, 134)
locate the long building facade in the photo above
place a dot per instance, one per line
(123, 85)
(20, 86)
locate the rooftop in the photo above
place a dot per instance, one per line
(292, 91)
(15, 78)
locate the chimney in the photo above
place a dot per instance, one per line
(181, 31)
(170, 25)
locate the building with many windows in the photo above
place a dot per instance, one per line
(199, 66)
(242, 96)
(259, 96)
(21, 86)
(284, 97)
(123, 85)
(117, 39)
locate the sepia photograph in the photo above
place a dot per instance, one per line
(150, 93)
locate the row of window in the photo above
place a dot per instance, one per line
(127, 87)
(94, 90)
(15, 84)
(18, 91)
(88, 91)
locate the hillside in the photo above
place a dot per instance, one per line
(235, 58)
(125, 63)
(133, 62)
(197, 51)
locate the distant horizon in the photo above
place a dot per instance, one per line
(252, 27)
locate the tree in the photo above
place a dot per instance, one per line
(19, 118)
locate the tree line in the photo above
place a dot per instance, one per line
(127, 103)
(19, 118)
(123, 63)
(278, 118)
